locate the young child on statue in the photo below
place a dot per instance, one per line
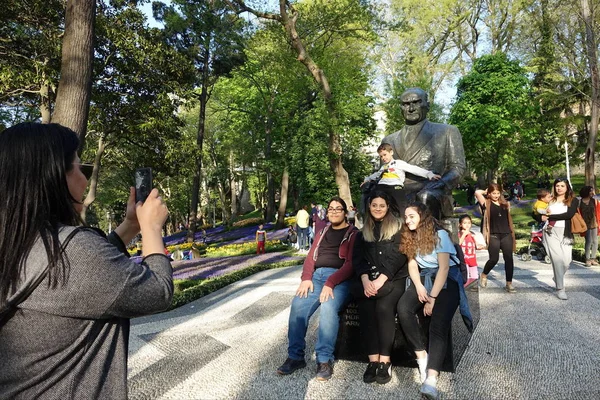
(469, 242)
(261, 238)
(391, 175)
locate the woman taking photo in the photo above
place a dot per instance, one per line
(559, 241)
(382, 270)
(498, 231)
(587, 207)
(436, 288)
(66, 292)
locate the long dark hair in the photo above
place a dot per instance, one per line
(586, 192)
(424, 239)
(390, 225)
(569, 195)
(34, 198)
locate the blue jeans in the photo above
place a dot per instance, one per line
(303, 238)
(329, 320)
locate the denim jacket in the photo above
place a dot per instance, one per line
(456, 276)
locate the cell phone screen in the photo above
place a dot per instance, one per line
(143, 183)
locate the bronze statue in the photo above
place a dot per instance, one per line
(434, 147)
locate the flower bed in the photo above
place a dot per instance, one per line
(206, 268)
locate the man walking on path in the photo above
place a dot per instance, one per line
(302, 222)
(325, 283)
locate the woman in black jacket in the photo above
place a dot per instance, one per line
(382, 270)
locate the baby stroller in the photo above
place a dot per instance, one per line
(536, 246)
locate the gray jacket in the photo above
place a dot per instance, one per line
(70, 342)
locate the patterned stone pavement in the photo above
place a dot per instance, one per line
(528, 345)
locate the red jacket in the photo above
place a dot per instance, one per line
(345, 253)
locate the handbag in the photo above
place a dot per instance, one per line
(578, 224)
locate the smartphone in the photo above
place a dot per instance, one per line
(143, 183)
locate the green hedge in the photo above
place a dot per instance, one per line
(188, 290)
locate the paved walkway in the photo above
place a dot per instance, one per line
(528, 345)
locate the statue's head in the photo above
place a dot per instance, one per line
(414, 105)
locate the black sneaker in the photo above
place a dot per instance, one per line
(384, 373)
(371, 372)
(324, 371)
(290, 366)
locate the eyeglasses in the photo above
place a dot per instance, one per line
(335, 210)
(86, 169)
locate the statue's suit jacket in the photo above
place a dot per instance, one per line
(437, 148)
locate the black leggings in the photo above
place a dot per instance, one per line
(395, 194)
(439, 326)
(378, 316)
(504, 242)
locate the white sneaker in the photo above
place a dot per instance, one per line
(561, 294)
(429, 392)
(422, 363)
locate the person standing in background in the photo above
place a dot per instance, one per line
(302, 224)
(261, 239)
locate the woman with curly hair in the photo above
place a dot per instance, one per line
(559, 241)
(382, 270)
(498, 231)
(436, 287)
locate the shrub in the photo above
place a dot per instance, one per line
(248, 222)
(189, 290)
(186, 246)
(241, 249)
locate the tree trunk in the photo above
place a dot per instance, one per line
(268, 147)
(232, 185)
(75, 86)
(91, 196)
(335, 148)
(45, 103)
(283, 199)
(199, 143)
(590, 40)
(288, 16)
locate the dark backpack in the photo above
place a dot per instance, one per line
(460, 260)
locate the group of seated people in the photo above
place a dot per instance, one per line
(389, 267)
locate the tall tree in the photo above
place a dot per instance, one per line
(210, 35)
(30, 38)
(591, 45)
(337, 19)
(494, 106)
(75, 87)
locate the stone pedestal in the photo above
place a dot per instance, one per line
(349, 344)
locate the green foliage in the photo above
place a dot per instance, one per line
(193, 290)
(241, 249)
(30, 43)
(494, 107)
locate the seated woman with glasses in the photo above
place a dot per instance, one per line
(325, 284)
(382, 270)
(66, 291)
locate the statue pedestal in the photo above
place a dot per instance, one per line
(451, 225)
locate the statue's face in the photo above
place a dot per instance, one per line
(414, 107)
